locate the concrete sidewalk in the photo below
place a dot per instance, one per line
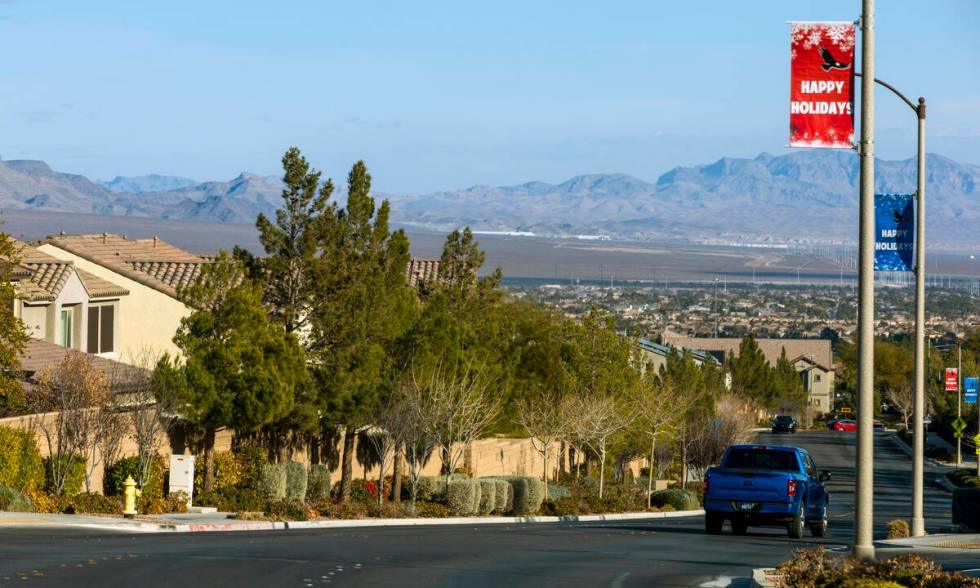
(210, 522)
(939, 541)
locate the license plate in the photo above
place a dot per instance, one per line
(745, 506)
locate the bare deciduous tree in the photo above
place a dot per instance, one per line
(412, 424)
(150, 411)
(902, 397)
(707, 440)
(596, 418)
(65, 405)
(463, 410)
(546, 419)
(661, 405)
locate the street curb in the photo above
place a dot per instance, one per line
(928, 540)
(144, 527)
(759, 578)
(908, 450)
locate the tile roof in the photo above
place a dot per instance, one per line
(817, 350)
(421, 271)
(39, 354)
(42, 277)
(151, 262)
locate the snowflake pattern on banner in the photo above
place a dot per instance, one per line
(821, 95)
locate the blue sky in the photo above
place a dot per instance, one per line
(440, 95)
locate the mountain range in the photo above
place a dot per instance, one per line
(804, 196)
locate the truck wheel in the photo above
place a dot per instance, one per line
(739, 526)
(819, 529)
(713, 522)
(796, 526)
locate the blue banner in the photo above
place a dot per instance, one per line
(894, 232)
(969, 390)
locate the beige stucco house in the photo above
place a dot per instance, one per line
(150, 271)
(63, 304)
(812, 358)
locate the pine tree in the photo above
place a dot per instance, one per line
(751, 374)
(239, 369)
(13, 336)
(363, 306)
(787, 387)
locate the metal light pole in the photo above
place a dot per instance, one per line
(864, 503)
(918, 402)
(959, 402)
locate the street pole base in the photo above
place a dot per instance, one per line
(864, 552)
(918, 527)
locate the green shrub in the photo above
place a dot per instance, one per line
(232, 500)
(462, 497)
(129, 467)
(431, 488)
(317, 482)
(488, 496)
(503, 496)
(296, 480)
(535, 494)
(897, 529)
(273, 484)
(73, 480)
(966, 507)
(427, 509)
(250, 460)
(13, 501)
(816, 567)
(21, 466)
(964, 478)
(520, 491)
(677, 498)
(289, 510)
(90, 502)
(562, 507)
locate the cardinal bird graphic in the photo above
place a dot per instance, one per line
(902, 218)
(829, 62)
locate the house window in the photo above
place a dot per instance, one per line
(816, 377)
(65, 340)
(817, 401)
(100, 329)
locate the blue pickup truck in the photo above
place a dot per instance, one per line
(763, 485)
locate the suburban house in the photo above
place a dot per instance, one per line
(65, 305)
(654, 355)
(147, 271)
(812, 358)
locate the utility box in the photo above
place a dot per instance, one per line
(182, 475)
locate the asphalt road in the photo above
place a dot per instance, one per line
(669, 552)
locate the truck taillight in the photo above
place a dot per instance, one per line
(706, 484)
(791, 488)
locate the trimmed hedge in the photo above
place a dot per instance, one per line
(677, 498)
(966, 507)
(527, 493)
(272, 483)
(488, 496)
(296, 481)
(317, 482)
(21, 467)
(503, 496)
(431, 488)
(13, 501)
(463, 497)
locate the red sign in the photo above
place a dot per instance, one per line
(952, 380)
(821, 95)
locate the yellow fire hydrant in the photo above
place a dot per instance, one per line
(131, 492)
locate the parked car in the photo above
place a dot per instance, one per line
(843, 425)
(762, 485)
(878, 426)
(784, 423)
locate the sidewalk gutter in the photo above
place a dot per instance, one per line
(126, 526)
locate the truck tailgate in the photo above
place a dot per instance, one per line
(749, 485)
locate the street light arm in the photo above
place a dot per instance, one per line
(920, 110)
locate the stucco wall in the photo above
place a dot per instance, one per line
(148, 318)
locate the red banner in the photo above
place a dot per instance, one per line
(821, 107)
(952, 380)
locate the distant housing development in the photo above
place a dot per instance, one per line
(812, 358)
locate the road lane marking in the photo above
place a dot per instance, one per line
(618, 580)
(718, 582)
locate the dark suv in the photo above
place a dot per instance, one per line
(784, 424)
